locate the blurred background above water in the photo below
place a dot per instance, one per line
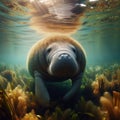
(99, 32)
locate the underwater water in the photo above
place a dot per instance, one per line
(99, 34)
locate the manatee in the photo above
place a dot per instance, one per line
(55, 59)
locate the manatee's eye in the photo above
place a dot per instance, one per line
(73, 49)
(48, 50)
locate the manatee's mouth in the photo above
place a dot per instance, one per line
(63, 64)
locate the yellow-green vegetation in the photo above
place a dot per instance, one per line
(111, 105)
(99, 98)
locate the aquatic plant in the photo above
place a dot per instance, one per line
(102, 84)
(88, 110)
(82, 110)
(31, 116)
(23, 78)
(8, 74)
(18, 104)
(9, 77)
(109, 81)
(19, 99)
(7, 111)
(111, 105)
(16, 75)
(61, 114)
(3, 82)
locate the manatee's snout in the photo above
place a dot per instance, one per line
(64, 57)
(63, 64)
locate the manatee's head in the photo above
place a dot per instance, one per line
(62, 59)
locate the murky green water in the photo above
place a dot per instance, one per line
(99, 34)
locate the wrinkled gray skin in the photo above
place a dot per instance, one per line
(61, 61)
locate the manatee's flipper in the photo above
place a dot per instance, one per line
(41, 92)
(76, 83)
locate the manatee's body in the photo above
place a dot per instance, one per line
(55, 59)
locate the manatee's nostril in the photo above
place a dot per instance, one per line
(64, 56)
